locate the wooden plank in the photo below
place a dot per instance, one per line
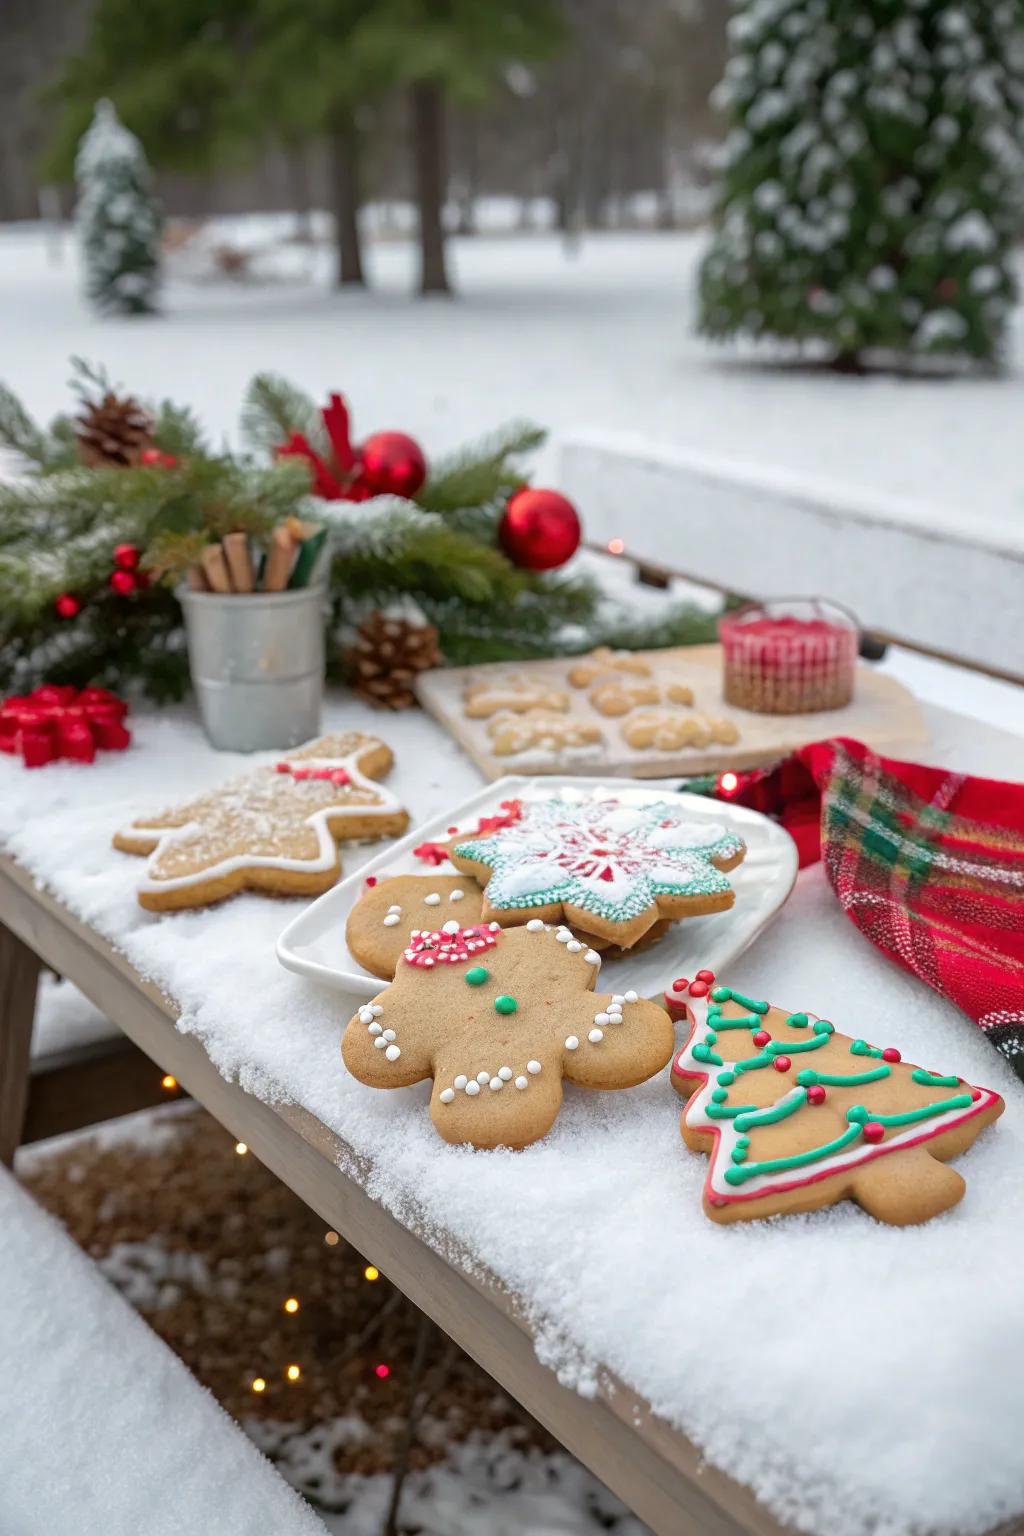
(657, 1471)
(883, 713)
(96, 1082)
(19, 975)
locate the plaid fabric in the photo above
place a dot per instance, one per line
(928, 864)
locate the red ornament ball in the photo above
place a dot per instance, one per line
(67, 606)
(872, 1130)
(761, 1038)
(891, 1054)
(391, 464)
(122, 582)
(782, 1063)
(126, 557)
(816, 1094)
(540, 530)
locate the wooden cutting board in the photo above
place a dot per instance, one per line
(882, 713)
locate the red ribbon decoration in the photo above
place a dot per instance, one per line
(55, 722)
(339, 480)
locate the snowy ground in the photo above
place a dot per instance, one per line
(603, 339)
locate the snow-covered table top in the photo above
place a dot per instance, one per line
(858, 1378)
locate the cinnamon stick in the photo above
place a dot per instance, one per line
(279, 560)
(215, 568)
(236, 553)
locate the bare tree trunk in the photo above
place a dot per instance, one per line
(297, 161)
(344, 148)
(428, 132)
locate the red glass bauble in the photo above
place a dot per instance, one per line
(67, 606)
(126, 556)
(122, 582)
(540, 530)
(391, 464)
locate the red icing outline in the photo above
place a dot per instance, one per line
(432, 947)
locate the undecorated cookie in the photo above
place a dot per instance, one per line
(616, 696)
(497, 1017)
(795, 1116)
(381, 921)
(513, 691)
(669, 730)
(604, 662)
(540, 730)
(610, 869)
(276, 829)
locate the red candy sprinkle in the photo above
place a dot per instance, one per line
(680, 984)
(891, 1054)
(698, 988)
(782, 1063)
(707, 976)
(816, 1094)
(452, 831)
(762, 1037)
(371, 880)
(432, 853)
(873, 1131)
(975, 1094)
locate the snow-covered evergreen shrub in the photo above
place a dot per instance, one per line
(119, 221)
(874, 176)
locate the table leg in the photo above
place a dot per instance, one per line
(19, 973)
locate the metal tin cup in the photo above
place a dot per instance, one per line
(257, 663)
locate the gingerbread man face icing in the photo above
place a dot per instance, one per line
(497, 1017)
(276, 829)
(796, 1116)
(610, 869)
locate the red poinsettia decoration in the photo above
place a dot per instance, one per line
(387, 463)
(56, 722)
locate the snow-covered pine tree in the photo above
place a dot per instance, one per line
(874, 177)
(119, 220)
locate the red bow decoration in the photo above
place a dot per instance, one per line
(62, 722)
(339, 480)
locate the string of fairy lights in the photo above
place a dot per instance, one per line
(291, 1305)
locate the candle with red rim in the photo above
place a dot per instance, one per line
(788, 656)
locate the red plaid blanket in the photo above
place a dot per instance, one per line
(928, 864)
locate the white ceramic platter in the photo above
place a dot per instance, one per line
(313, 944)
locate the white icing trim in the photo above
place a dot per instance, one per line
(327, 848)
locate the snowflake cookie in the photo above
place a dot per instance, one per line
(497, 1017)
(276, 829)
(796, 1116)
(611, 869)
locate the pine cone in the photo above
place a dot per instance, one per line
(387, 654)
(113, 432)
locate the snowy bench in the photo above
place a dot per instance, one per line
(948, 585)
(104, 1429)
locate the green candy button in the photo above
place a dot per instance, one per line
(477, 975)
(505, 1004)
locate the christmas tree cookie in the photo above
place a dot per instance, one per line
(498, 1017)
(277, 829)
(796, 1116)
(605, 867)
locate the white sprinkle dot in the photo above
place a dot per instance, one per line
(522, 1082)
(533, 1066)
(380, 1042)
(392, 920)
(496, 1083)
(375, 1028)
(505, 1073)
(456, 895)
(483, 1077)
(600, 1018)
(389, 1034)
(433, 900)
(394, 908)
(494, 927)
(592, 957)
(574, 946)
(450, 927)
(617, 997)
(429, 961)
(473, 1089)
(446, 1095)
(393, 1052)
(563, 935)
(535, 925)
(365, 1016)
(376, 1010)
(572, 1043)
(595, 1035)
(461, 1080)
(631, 997)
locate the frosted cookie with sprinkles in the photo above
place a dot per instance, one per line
(276, 829)
(607, 868)
(379, 925)
(795, 1116)
(498, 1017)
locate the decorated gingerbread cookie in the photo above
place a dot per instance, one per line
(606, 663)
(796, 1116)
(497, 1017)
(538, 730)
(381, 921)
(669, 730)
(511, 692)
(608, 868)
(276, 829)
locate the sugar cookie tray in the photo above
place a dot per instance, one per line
(313, 944)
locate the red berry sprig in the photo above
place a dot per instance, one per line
(67, 605)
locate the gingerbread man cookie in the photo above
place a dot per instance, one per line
(538, 730)
(667, 730)
(497, 1017)
(485, 697)
(615, 696)
(609, 868)
(381, 921)
(276, 829)
(606, 663)
(796, 1116)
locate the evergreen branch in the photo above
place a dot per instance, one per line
(482, 476)
(273, 409)
(21, 435)
(386, 546)
(176, 430)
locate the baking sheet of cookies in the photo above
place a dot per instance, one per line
(643, 714)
